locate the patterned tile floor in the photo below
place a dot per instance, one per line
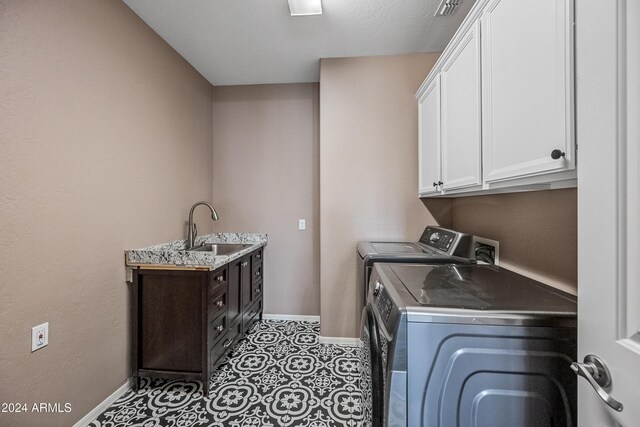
(279, 375)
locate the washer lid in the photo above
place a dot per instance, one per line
(483, 288)
(400, 248)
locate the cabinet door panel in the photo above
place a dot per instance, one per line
(527, 87)
(460, 91)
(245, 273)
(429, 138)
(233, 293)
(170, 321)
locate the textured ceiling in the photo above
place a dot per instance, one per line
(235, 42)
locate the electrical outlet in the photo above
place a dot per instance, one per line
(39, 336)
(302, 225)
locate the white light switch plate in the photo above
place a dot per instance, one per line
(302, 225)
(39, 336)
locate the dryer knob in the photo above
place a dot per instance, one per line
(377, 288)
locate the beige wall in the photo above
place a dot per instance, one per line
(368, 170)
(265, 174)
(537, 232)
(105, 142)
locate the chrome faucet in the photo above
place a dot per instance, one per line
(193, 230)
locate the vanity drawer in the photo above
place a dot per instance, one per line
(218, 279)
(217, 328)
(251, 315)
(257, 290)
(256, 257)
(216, 353)
(223, 346)
(217, 305)
(257, 272)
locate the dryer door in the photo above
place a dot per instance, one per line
(371, 372)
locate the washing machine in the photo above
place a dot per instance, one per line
(436, 245)
(466, 346)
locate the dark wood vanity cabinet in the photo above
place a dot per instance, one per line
(184, 322)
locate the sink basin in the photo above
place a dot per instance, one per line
(220, 248)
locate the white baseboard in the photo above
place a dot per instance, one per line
(348, 341)
(298, 317)
(102, 406)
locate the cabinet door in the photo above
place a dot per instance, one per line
(245, 280)
(527, 88)
(429, 139)
(233, 293)
(460, 92)
(170, 320)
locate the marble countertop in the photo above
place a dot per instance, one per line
(175, 256)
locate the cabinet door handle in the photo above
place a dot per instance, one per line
(258, 290)
(220, 303)
(244, 264)
(556, 154)
(259, 256)
(228, 343)
(220, 278)
(257, 273)
(435, 184)
(440, 182)
(219, 328)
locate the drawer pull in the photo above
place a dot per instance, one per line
(219, 328)
(219, 303)
(220, 278)
(228, 343)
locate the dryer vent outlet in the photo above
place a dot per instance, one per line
(486, 251)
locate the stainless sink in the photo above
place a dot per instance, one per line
(220, 248)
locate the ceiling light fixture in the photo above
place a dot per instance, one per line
(305, 7)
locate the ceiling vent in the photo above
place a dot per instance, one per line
(447, 7)
(305, 7)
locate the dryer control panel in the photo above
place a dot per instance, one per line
(447, 241)
(384, 305)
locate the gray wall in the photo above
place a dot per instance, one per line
(105, 142)
(368, 170)
(265, 175)
(537, 232)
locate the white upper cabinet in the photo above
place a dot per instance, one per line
(527, 88)
(429, 138)
(496, 112)
(461, 134)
